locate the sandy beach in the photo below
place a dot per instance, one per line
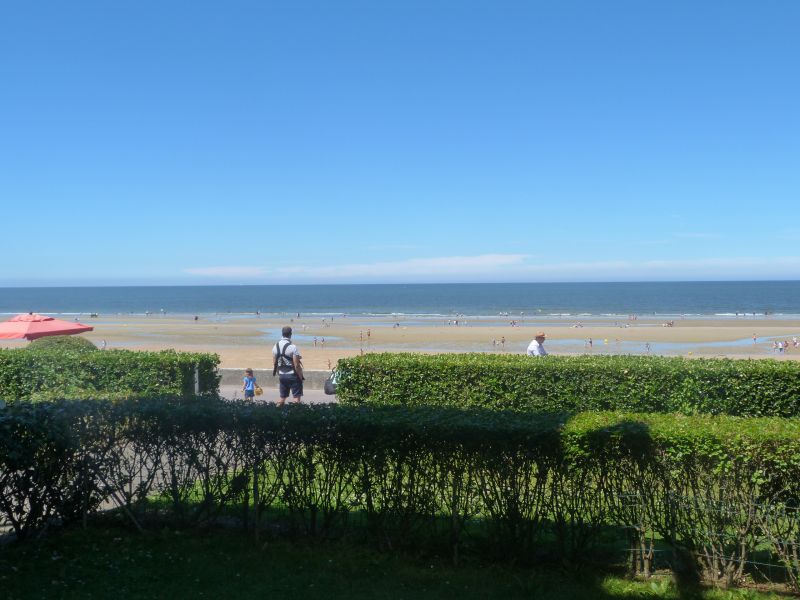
(247, 340)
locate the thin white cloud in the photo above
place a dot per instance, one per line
(227, 272)
(512, 267)
(446, 265)
(655, 270)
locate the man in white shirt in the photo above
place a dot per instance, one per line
(286, 364)
(536, 347)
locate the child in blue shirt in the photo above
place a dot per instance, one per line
(249, 387)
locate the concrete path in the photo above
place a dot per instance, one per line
(234, 392)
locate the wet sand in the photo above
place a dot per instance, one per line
(247, 340)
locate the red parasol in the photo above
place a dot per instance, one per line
(31, 326)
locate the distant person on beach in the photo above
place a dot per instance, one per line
(249, 385)
(287, 365)
(536, 347)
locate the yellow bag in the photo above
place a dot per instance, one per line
(259, 391)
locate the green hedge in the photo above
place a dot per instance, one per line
(574, 384)
(61, 343)
(510, 485)
(50, 374)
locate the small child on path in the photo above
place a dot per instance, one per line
(249, 385)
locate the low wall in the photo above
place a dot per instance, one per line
(315, 380)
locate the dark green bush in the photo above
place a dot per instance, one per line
(512, 485)
(574, 384)
(48, 374)
(61, 343)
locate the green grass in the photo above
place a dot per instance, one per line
(107, 561)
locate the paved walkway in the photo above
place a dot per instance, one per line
(234, 392)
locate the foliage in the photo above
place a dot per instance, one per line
(47, 375)
(220, 564)
(507, 485)
(574, 384)
(61, 343)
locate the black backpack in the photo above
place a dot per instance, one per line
(280, 355)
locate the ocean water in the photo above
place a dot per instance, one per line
(722, 299)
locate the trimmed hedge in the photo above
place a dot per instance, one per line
(51, 374)
(574, 384)
(509, 485)
(61, 343)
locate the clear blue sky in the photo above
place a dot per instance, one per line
(259, 142)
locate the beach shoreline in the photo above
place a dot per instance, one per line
(246, 340)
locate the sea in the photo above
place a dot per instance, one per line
(719, 299)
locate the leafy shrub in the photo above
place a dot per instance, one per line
(47, 375)
(574, 384)
(62, 343)
(512, 485)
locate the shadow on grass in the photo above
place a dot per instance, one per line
(109, 560)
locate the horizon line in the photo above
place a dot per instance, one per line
(422, 283)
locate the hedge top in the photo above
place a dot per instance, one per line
(706, 437)
(61, 343)
(53, 373)
(575, 383)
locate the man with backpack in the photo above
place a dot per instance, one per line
(286, 364)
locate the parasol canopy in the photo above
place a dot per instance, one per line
(31, 326)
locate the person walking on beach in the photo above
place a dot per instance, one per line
(536, 347)
(287, 365)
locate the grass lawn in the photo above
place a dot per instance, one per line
(109, 562)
